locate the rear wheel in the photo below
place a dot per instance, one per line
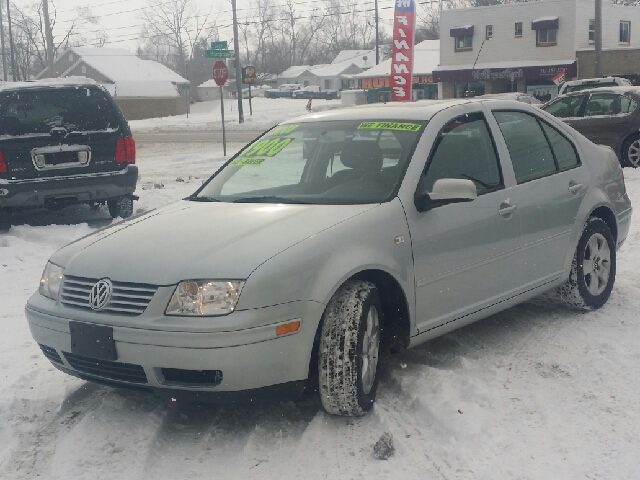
(349, 349)
(120, 207)
(5, 221)
(593, 271)
(631, 152)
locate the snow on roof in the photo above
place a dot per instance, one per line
(49, 82)
(120, 65)
(426, 58)
(463, 26)
(142, 89)
(545, 19)
(334, 69)
(296, 70)
(504, 65)
(362, 58)
(209, 84)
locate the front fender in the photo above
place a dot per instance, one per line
(315, 268)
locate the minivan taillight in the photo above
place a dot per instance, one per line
(3, 164)
(126, 150)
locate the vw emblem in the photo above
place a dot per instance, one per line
(100, 294)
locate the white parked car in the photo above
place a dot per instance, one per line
(586, 83)
(403, 222)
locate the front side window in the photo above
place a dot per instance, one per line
(565, 107)
(625, 32)
(464, 149)
(464, 42)
(547, 36)
(489, 32)
(518, 29)
(337, 162)
(529, 150)
(606, 104)
(592, 30)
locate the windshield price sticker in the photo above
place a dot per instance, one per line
(406, 127)
(270, 148)
(247, 162)
(283, 130)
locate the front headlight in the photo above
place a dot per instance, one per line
(51, 281)
(205, 297)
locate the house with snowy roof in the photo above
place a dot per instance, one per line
(332, 76)
(141, 88)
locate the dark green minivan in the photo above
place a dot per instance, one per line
(64, 142)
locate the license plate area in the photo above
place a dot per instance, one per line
(61, 156)
(58, 158)
(93, 341)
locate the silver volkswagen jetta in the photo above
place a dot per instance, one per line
(332, 238)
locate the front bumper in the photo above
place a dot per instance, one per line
(248, 359)
(82, 188)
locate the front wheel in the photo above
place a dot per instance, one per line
(631, 152)
(120, 207)
(349, 349)
(593, 270)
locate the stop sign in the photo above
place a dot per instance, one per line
(220, 73)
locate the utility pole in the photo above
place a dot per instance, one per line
(236, 48)
(598, 39)
(13, 62)
(47, 32)
(377, 39)
(4, 53)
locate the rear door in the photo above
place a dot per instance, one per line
(53, 132)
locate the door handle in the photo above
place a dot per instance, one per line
(574, 187)
(506, 209)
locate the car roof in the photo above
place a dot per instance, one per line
(49, 83)
(397, 111)
(619, 89)
(593, 80)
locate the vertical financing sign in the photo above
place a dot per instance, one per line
(402, 53)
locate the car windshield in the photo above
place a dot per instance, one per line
(340, 162)
(75, 109)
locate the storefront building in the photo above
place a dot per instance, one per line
(524, 46)
(376, 80)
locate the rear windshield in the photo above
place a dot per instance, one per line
(585, 86)
(37, 112)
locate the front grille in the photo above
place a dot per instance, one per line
(51, 354)
(129, 299)
(123, 372)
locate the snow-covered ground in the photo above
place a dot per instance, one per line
(206, 115)
(536, 392)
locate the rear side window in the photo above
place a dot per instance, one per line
(565, 107)
(530, 152)
(562, 148)
(464, 149)
(605, 104)
(75, 109)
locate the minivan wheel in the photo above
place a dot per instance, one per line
(593, 270)
(349, 349)
(631, 152)
(120, 207)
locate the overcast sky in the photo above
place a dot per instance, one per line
(121, 19)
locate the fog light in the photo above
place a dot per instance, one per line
(83, 157)
(39, 161)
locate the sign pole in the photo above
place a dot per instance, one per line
(250, 107)
(224, 134)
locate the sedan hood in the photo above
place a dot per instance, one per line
(194, 240)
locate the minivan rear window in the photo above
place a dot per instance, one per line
(38, 111)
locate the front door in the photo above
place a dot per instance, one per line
(461, 249)
(606, 118)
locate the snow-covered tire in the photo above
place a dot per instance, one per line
(593, 270)
(120, 207)
(349, 349)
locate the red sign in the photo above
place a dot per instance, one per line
(402, 53)
(220, 73)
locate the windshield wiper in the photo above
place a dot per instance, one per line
(268, 199)
(202, 199)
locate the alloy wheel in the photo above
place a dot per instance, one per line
(596, 266)
(370, 350)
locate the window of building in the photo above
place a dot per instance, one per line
(464, 42)
(328, 83)
(625, 32)
(547, 36)
(518, 29)
(84, 69)
(489, 31)
(592, 30)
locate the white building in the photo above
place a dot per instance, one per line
(332, 76)
(521, 46)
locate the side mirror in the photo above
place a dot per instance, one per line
(445, 191)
